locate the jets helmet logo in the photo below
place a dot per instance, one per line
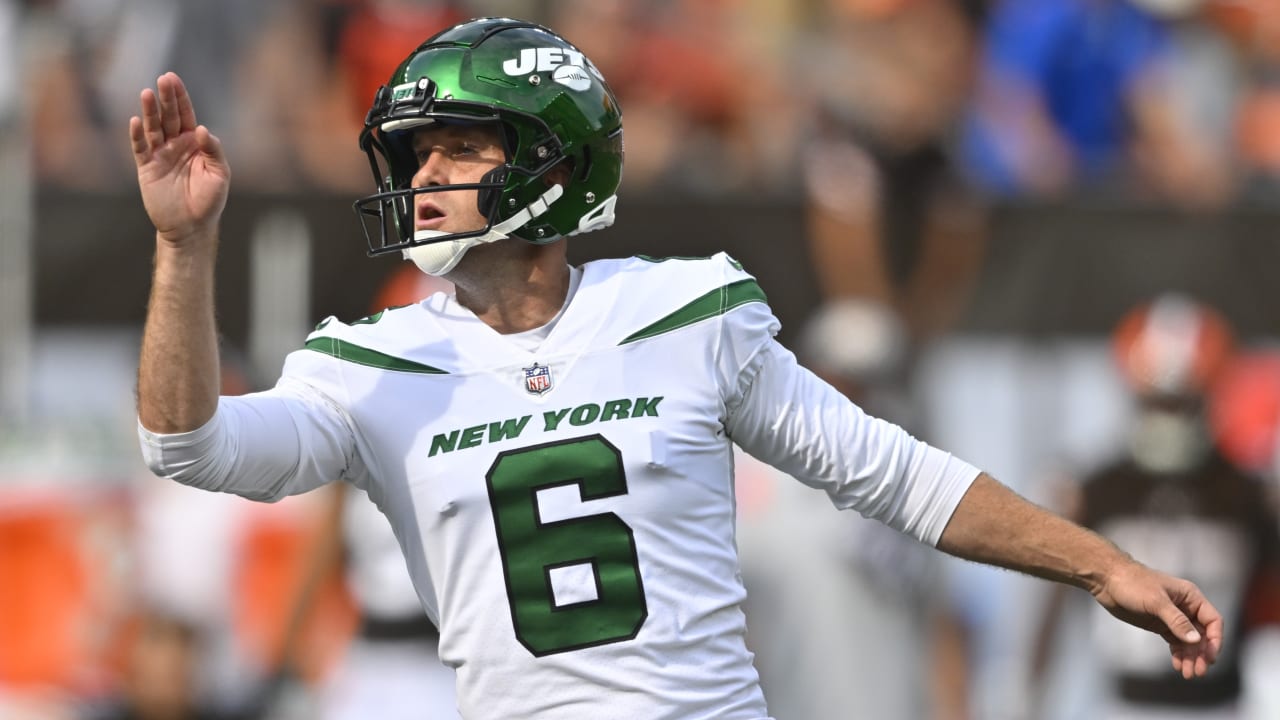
(568, 67)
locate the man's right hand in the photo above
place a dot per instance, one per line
(184, 177)
(182, 171)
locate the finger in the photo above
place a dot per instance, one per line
(151, 129)
(169, 116)
(1207, 617)
(1191, 661)
(1180, 657)
(186, 110)
(1178, 623)
(210, 144)
(138, 141)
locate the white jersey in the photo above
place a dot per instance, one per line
(568, 514)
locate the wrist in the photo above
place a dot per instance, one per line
(1102, 568)
(185, 268)
(200, 239)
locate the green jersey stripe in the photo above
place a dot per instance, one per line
(655, 260)
(716, 302)
(349, 352)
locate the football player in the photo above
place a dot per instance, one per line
(1176, 502)
(552, 444)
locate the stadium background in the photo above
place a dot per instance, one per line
(838, 148)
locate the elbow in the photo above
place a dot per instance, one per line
(155, 463)
(191, 458)
(215, 458)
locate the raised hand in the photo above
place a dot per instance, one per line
(1172, 608)
(182, 171)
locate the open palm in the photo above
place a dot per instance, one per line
(182, 171)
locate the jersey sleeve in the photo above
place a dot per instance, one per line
(793, 420)
(747, 326)
(267, 445)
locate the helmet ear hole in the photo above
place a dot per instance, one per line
(488, 197)
(562, 173)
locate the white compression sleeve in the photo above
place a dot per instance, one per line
(262, 446)
(793, 420)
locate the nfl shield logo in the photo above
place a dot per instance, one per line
(537, 379)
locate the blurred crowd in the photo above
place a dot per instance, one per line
(1165, 99)
(895, 122)
(896, 125)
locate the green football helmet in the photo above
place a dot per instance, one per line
(553, 107)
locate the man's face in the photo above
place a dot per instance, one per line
(453, 155)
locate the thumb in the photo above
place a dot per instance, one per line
(209, 144)
(1178, 623)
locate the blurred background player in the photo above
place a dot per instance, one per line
(1175, 502)
(1244, 412)
(888, 217)
(391, 669)
(160, 666)
(822, 589)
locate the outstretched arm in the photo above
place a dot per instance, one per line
(993, 525)
(183, 176)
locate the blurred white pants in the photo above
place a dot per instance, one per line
(390, 680)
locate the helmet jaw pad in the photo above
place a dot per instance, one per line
(437, 253)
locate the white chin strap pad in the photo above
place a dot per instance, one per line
(438, 258)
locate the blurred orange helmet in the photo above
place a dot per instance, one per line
(405, 285)
(1244, 410)
(1172, 346)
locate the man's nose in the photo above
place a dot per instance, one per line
(432, 171)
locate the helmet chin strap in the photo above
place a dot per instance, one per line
(438, 258)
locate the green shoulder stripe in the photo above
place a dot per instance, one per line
(655, 259)
(717, 302)
(344, 350)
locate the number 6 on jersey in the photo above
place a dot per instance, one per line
(532, 550)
